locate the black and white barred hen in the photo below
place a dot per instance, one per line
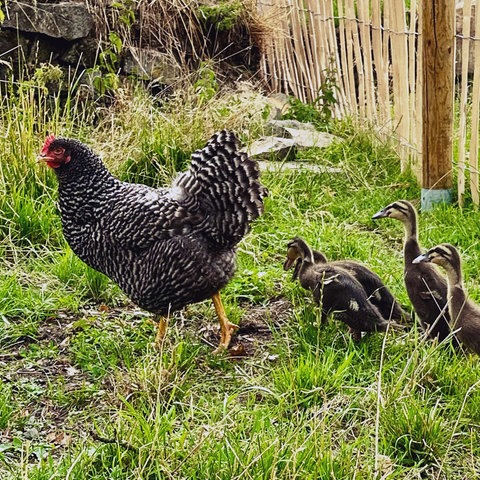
(165, 247)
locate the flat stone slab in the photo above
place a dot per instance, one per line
(68, 20)
(291, 137)
(266, 166)
(276, 148)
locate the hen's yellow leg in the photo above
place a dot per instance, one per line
(226, 327)
(161, 331)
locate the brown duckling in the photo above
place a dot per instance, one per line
(377, 292)
(336, 290)
(426, 287)
(464, 313)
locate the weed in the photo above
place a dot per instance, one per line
(319, 111)
(223, 15)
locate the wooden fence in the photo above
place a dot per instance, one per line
(371, 49)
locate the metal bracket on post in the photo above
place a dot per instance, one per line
(431, 197)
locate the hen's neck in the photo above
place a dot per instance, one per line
(92, 177)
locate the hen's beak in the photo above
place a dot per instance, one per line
(43, 159)
(421, 258)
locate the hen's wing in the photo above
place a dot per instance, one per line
(225, 182)
(219, 195)
(140, 216)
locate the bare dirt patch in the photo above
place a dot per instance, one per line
(256, 328)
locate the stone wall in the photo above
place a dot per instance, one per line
(72, 33)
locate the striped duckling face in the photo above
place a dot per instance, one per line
(400, 210)
(294, 254)
(444, 255)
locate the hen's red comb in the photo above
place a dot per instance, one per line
(47, 143)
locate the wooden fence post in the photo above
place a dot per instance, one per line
(438, 30)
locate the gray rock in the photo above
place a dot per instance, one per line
(83, 52)
(308, 138)
(152, 65)
(279, 128)
(294, 136)
(272, 148)
(11, 46)
(266, 166)
(31, 433)
(67, 20)
(304, 134)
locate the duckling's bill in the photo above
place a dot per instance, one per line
(421, 258)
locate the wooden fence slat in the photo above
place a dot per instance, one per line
(348, 80)
(417, 154)
(475, 115)
(378, 60)
(462, 139)
(366, 50)
(399, 65)
(318, 43)
(300, 47)
(356, 59)
(415, 125)
(332, 49)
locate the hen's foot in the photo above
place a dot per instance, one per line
(226, 327)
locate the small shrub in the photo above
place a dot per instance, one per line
(223, 16)
(320, 110)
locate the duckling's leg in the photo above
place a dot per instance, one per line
(226, 327)
(161, 331)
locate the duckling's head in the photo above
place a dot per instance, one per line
(445, 255)
(318, 257)
(400, 210)
(297, 251)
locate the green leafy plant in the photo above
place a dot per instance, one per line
(126, 11)
(206, 85)
(320, 110)
(104, 76)
(223, 15)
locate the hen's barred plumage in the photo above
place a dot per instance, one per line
(165, 248)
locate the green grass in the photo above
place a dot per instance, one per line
(84, 395)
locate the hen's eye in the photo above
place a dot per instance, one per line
(58, 151)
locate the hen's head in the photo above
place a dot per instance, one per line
(69, 157)
(56, 151)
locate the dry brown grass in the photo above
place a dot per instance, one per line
(176, 27)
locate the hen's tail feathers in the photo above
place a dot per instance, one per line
(226, 185)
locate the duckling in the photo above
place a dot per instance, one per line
(335, 290)
(464, 313)
(377, 292)
(426, 287)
